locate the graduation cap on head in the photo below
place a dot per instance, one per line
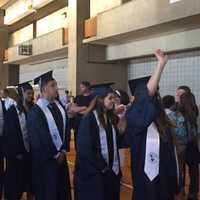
(124, 98)
(137, 85)
(44, 79)
(25, 86)
(22, 87)
(102, 89)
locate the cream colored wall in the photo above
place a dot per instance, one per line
(22, 35)
(98, 6)
(39, 3)
(137, 15)
(59, 67)
(49, 42)
(44, 26)
(170, 42)
(41, 45)
(18, 9)
(52, 22)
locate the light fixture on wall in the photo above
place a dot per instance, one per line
(64, 14)
(30, 7)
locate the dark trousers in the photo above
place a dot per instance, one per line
(192, 160)
(194, 181)
(111, 186)
(13, 179)
(52, 182)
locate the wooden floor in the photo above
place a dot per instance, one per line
(126, 188)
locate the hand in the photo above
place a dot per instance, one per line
(61, 158)
(70, 109)
(120, 109)
(68, 106)
(161, 57)
(132, 99)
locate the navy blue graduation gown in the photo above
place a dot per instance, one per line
(92, 178)
(80, 100)
(18, 171)
(141, 114)
(1, 154)
(50, 180)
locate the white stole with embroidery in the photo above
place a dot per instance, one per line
(53, 129)
(104, 145)
(152, 156)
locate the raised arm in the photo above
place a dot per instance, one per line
(153, 83)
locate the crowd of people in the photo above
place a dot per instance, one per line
(162, 134)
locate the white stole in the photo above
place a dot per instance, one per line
(9, 102)
(23, 127)
(104, 145)
(1, 118)
(53, 129)
(152, 156)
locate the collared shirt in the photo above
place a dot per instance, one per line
(9, 102)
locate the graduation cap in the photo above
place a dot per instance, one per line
(124, 98)
(22, 87)
(25, 86)
(44, 79)
(102, 89)
(137, 85)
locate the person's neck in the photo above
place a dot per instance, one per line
(48, 98)
(27, 105)
(87, 93)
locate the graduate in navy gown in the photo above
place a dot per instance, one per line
(48, 130)
(16, 145)
(154, 163)
(97, 167)
(2, 118)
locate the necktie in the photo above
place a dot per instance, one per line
(57, 117)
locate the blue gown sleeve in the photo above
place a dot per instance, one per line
(142, 113)
(12, 144)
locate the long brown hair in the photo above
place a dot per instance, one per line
(163, 123)
(188, 108)
(98, 105)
